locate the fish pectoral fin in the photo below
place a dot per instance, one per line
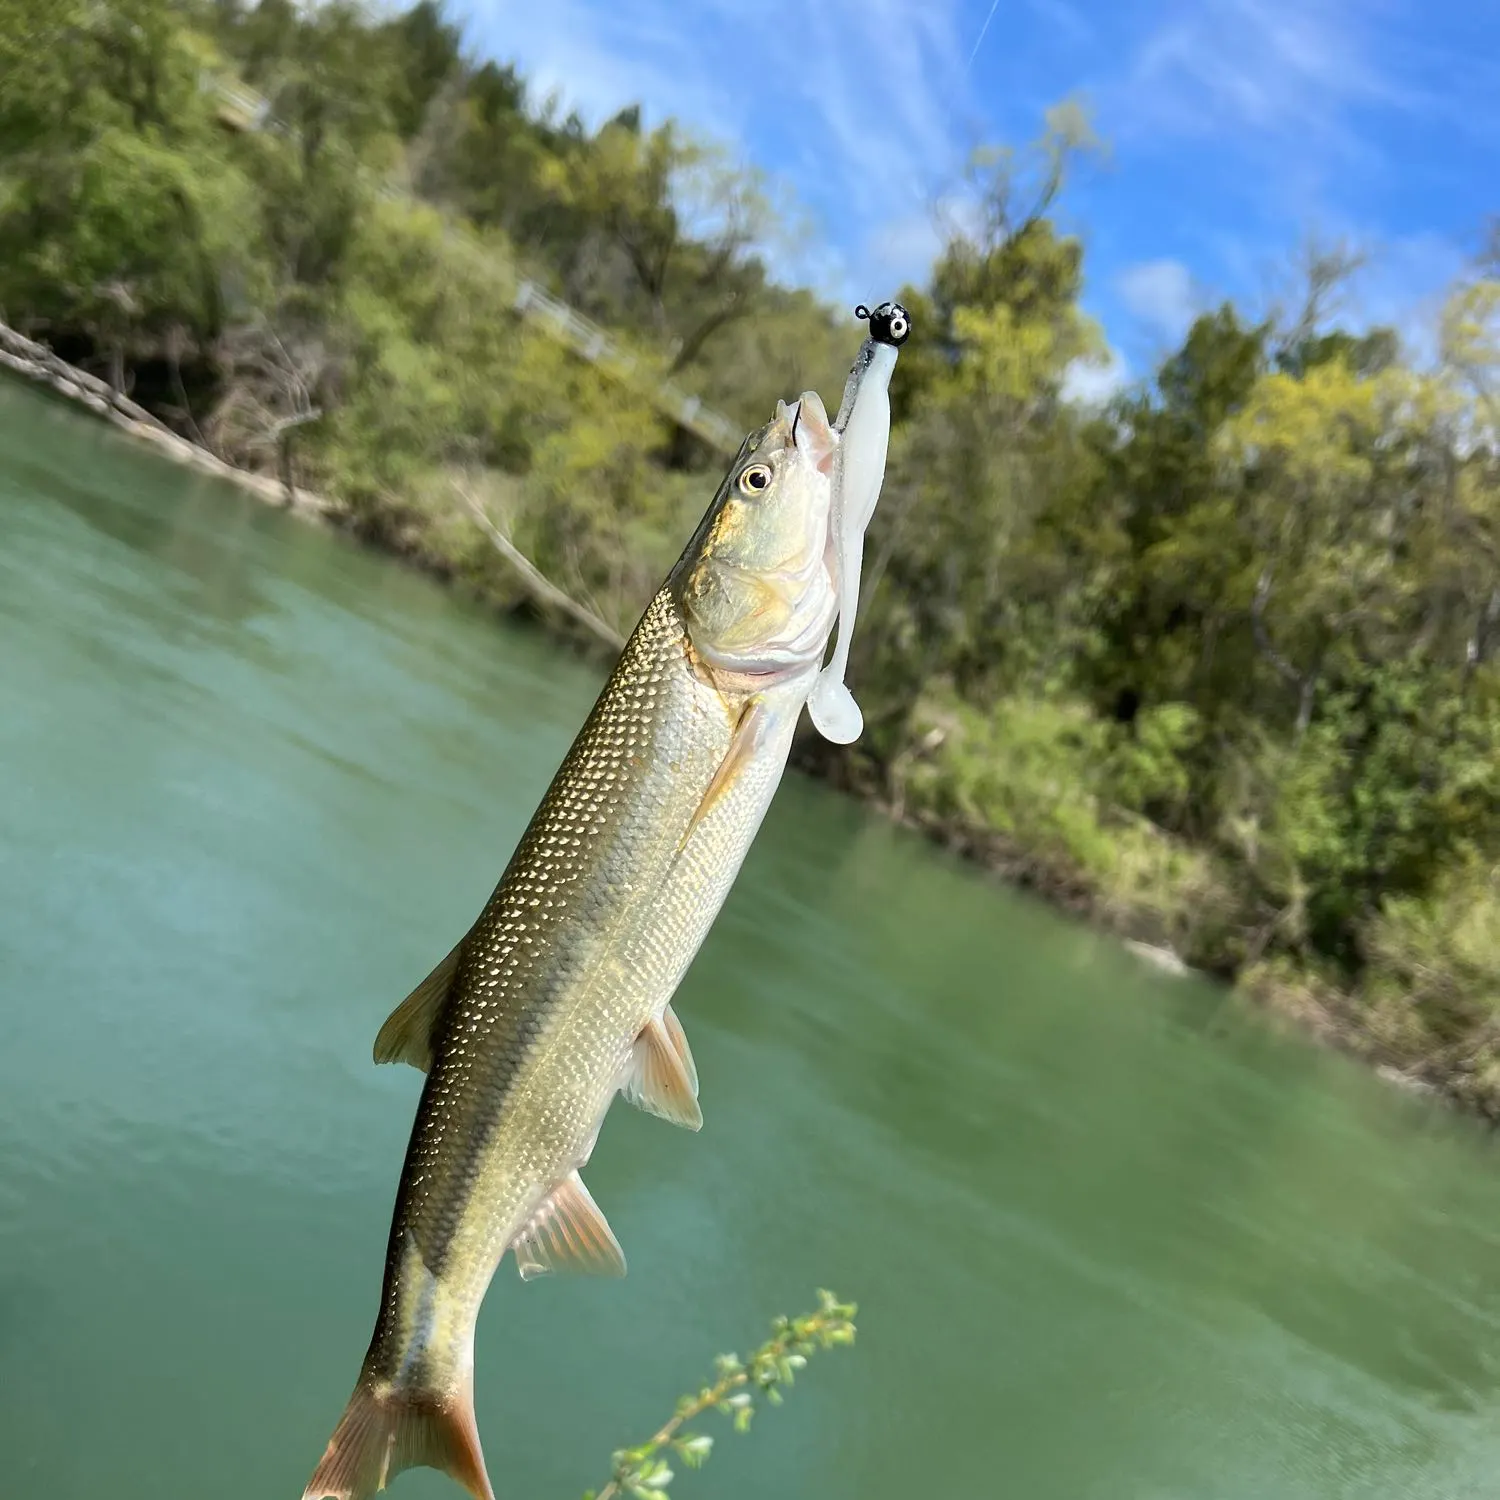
(407, 1033)
(749, 731)
(662, 1079)
(568, 1233)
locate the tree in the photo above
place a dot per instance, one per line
(957, 559)
(639, 192)
(428, 53)
(122, 217)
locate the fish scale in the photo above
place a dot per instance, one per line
(558, 1018)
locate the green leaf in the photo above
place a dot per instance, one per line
(695, 1448)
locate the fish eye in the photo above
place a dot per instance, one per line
(756, 479)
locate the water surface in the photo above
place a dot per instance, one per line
(1113, 1238)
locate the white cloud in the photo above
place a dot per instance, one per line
(867, 107)
(1063, 18)
(1281, 91)
(1294, 104)
(1287, 68)
(1401, 282)
(895, 252)
(1161, 294)
(1403, 286)
(596, 60)
(1093, 382)
(869, 97)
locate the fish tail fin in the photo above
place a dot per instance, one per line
(386, 1430)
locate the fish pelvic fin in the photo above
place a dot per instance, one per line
(662, 1079)
(386, 1429)
(407, 1034)
(680, 1042)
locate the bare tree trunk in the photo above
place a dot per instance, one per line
(1305, 705)
(1479, 643)
(284, 465)
(1306, 683)
(174, 366)
(691, 347)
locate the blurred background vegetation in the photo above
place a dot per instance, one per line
(1212, 660)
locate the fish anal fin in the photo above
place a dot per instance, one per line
(568, 1233)
(743, 743)
(386, 1429)
(662, 1079)
(407, 1033)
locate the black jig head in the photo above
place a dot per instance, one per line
(890, 323)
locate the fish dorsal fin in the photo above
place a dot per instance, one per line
(568, 1233)
(407, 1033)
(662, 1079)
(746, 738)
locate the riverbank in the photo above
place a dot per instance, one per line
(1172, 905)
(1174, 915)
(1468, 1077)
(37, 364)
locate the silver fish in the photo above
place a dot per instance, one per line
(558, 997)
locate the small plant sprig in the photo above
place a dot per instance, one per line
(643, 1473)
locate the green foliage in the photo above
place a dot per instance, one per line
(1058, 788)
(1392, 784)
(1149, 764)
(427, 49)
(1217, 660)
(129, 232)
(1216, 663)
(1439, 954)
(963, 541)
(276, 285)
(644, 1472)
(121, 216)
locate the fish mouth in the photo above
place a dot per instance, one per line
(812, 432)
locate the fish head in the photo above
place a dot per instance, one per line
(754, 584)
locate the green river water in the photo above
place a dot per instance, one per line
(1113, 1237)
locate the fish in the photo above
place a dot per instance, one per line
(558, 998)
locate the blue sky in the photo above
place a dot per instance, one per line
(1235, 127)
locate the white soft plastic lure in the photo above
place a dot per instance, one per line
(864, 428)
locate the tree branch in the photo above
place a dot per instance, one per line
(541, 588)
(641, 1472)
(1263, 636)
(1478, 648)
(731, 311)
(1306, 683)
